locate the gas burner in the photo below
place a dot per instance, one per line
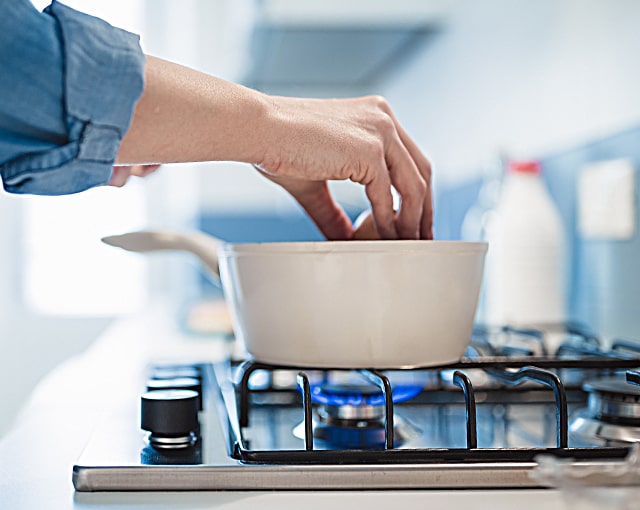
(356, 395)
(353, 416)
(614, 400)
(613, 412)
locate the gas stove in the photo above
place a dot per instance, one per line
(480, 422)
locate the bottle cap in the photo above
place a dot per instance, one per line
(525, 167)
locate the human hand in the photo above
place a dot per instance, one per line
(121, 173)
(310, 141)
(316, 200)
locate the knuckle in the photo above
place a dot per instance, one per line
(380, 102)
(386, 126)
(375, 151)
(427, 171)
(416, 192)
(421, 188)
(272, 166)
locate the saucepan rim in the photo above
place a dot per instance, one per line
(315, 247)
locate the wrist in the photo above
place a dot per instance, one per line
(269, 133)
(263, 133)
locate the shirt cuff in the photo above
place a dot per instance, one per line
(103, 79)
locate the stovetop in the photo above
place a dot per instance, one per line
(480, 422)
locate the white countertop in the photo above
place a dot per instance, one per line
(37, 456)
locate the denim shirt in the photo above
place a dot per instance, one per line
(68, 85)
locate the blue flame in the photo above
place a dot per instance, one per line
(320, 394)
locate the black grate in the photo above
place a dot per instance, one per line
(470, 454)
(508, 366)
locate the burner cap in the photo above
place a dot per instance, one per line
(360, 435)
(356, 402)
(614, 400)
(614, 386)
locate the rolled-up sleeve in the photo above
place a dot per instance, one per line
(71, 83)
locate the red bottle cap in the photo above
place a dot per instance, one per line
(526, 167)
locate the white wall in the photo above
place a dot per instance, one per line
(521, 77)
(31, 343)
(503, 77)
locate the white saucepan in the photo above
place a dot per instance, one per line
(342, 304)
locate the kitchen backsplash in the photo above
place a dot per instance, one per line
(603, 276)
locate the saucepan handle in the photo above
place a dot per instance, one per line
(202, 245)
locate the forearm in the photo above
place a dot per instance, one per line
(185, 115)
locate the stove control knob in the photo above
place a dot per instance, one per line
(178, 383)
(171, 417)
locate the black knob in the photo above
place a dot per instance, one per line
(171, 416)
(179, 383)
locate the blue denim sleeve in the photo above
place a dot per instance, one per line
(68, 87)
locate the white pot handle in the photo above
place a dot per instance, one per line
(202, 245)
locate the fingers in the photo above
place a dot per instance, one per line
(409, 172)
(409, 183)
(328, 216)
(379, 195)
(143, 170)
(315, 198)
(424, 167)
(120, 174)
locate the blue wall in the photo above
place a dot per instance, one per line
(604, 276)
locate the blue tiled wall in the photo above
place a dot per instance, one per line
(604, 276)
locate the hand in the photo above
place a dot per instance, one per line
(311, 141)
(315, 198)
(121, 173)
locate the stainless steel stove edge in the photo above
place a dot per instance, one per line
(305, 477)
